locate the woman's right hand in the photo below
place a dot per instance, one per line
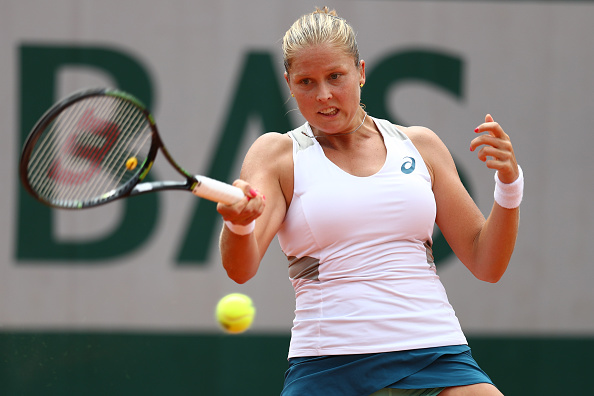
(246, 209)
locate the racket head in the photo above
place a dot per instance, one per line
(89, 149)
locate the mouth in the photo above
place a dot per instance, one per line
(331, 111)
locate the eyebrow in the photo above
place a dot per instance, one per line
(331, 69)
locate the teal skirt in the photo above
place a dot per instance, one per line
(364, 374)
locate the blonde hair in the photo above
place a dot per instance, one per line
(320, 27)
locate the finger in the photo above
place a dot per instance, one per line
(243, 213)
(493, 129)
(494, 153)
(501, 142)
(247, 189)
(253, 209)
(491, 126)
(496, 164)
(233, 212)
(490, 140)
(508, 170)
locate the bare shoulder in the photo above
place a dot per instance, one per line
(276, 138)
(270, 149)
(436, 155)
(269, 163)
(423, 138)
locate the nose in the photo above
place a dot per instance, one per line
(324, 93)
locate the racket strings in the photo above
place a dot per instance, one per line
(48, 141)
(81, 155)
(108, 180)
(63, 165)
(47, 155)
(132, 143)
(108, 132)
(134, 123)
(87, 146)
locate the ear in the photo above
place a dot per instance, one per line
(288, 83)
(362, 71)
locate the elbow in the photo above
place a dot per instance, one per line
(491, 278)
(240, 277)
(240, 280)
(490, 272)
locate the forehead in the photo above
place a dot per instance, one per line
(320, 58)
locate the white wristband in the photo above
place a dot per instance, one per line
(509, 195)
(241, 229)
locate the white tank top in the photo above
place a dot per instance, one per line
(359, 254)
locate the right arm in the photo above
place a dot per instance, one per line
(267, 180)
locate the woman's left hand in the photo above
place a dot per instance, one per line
(497, 151)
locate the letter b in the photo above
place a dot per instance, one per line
(39, 65)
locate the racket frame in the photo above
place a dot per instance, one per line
(135, 185)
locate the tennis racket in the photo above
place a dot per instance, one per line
(97, 146)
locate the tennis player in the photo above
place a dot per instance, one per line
(353, 200)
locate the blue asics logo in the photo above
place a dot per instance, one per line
(408, 166)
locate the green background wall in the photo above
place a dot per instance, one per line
(97, 364)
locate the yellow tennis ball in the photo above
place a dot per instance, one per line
(235, 313)
(131, 163)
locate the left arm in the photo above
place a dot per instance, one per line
(484, 245)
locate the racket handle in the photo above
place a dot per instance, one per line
(217, 191)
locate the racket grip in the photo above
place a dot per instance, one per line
(217, 191)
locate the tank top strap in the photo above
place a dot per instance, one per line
(390, 129)
(299, 135)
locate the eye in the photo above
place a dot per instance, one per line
(305, 81)
(334, 76)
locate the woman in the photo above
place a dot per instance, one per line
(353, 200)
